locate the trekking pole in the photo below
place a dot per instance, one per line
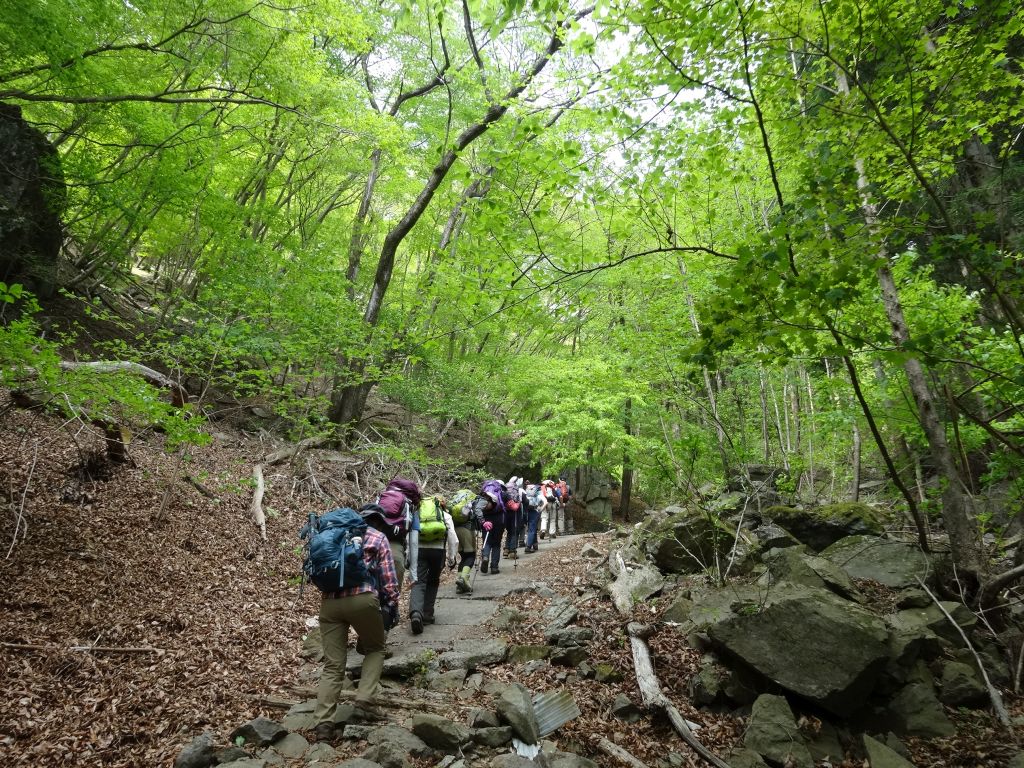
(476, 569)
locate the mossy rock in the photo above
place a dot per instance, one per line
(687, 542)
(820, 527)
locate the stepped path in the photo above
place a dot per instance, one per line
(463, 617)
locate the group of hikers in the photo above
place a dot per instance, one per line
(359, 560)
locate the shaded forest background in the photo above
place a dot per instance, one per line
(660, 240)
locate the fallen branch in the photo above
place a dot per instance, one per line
(87, 648)
(178, 394)
(654, 699)
(256, 507)
(200, 487)
(993, 694)
(290, 451)
(614, 750)
(392, 701)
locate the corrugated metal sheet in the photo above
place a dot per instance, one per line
(553, 710)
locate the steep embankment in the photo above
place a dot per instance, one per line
(137, 608)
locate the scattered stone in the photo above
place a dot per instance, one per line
(573, 656)
(483, 718)
(772, 536)
(714, 684)
(246, 762)
(507, 617)
(440, 732)
(561, 613)
(493, 737)
(512, 761)
(590, 552)
(261, 731)
(200, 753)
(607, 673)
(322, 752)
(790, 565)
(355, 732)
(413, 745)
(624, 709)
(881, 756)
(520, 654)
(293, 745)
(961, 686)
(359, 762)
(824, 745)
(387, 755)
(409, 664)
(533, 666)
(934, 619)
(270, 758)
(470, 654)
(228, 754)
(679, 611)
(773, 733)
(917, 712)
(515, 707)
(1017, 761)
(569, 760)
(452, 680)
(568, 636)
(688, 543)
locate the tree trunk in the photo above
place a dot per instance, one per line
(626, 489)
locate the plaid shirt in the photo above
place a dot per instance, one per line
(381, 565)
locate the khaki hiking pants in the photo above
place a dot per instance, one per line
(556, 519)
(362, 613)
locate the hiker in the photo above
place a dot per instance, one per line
(491, 508)
(554, 524)
(513, 517)
(392, 515)
(535, 504)
(466, 524)
(566, 495)
(435, 544)
(367, 602)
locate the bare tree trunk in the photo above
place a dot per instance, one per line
(627, 467)
(957, 506)
(855, 482)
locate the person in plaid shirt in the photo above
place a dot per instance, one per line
(363, 609)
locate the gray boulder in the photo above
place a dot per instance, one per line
(624, 709)
(932, 618)
(915, 711)
(796, 567)
(961, 686)
(413, 745)
(561, 613)
(571, 656)
(569, 760)
(493, 737)
(745, 758)
(634, 583)
(810, 642)
(261, 731)
(895, 564)
(291, 746)
(440, 732)
(687, 542)
(515, 707)
(359, 762)
(246, 762)
(820, 527)
(771, 536)
(773, 733)
(520, 654)
(387, 755)
(714, 684)
(470, 654)
(200, 753)
(568, 636)
(679, 611)
(230, 754)
(590, 552)
(881, 756)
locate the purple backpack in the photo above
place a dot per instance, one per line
(498, 490)
(395, 505)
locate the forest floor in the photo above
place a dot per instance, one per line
(141, 606)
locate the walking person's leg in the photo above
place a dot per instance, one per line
(364, 616)
(496, 534)
(467, 556)
(334, 639)
(418, 594)
(435, 564)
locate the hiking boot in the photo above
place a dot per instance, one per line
(323, 732)
(461, 586)
(429, 620)
(416, 621)
(483, 567)
(511, 554)
(495, 570)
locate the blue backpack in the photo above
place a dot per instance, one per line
(334, 553)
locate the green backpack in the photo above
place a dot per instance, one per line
(460, 504)
(432, 525)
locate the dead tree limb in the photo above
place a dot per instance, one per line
(256, 507)
(290, 451)
(655, 700)
(200, 487)
(178, 394)
(614, 750)
(993, 693)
